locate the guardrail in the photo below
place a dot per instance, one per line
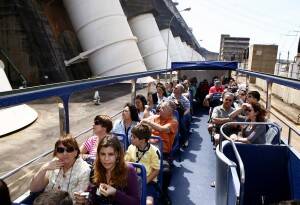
(270, 79)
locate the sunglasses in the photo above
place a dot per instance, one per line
(97, 122)
(248, 110)
(63, 149)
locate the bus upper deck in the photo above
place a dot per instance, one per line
(197, 164)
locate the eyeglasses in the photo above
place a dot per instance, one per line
(230, 100)
(63, 149)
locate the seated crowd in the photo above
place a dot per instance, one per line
(99, 171)
(235, 104)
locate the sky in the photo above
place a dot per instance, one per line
(263, 21)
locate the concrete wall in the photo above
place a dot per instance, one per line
(288, 95)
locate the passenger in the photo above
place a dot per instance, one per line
(129, 119)
(252, 134)
(169, 88)
(102, 126)
(253, 97)
(161, 94)
(186, 85)
(4, 193)
(214, 95)
(114, 181)
(178, 97)
(241, 98)
(220, 115)
(147, 154)
(53, 198)
(140, 104)
(217, 88)
(66, 171)
(185, 118)
(202, 91)
(151, 107)
(165, 126)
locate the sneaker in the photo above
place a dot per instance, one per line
(213, 184)
(186, 144)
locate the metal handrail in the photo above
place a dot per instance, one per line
(3, 177)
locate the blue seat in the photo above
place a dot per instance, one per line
(160, 175)
(123, 138)
(273, 134)
(143, 176)
(176, 145)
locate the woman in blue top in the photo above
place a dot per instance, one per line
(129, 119)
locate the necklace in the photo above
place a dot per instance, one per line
(138, 156)
(63, 175)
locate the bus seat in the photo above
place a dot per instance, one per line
(141, 172)
(123, 138)
(272, 135)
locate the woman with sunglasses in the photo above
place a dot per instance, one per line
(130, 118)
(252, 134)
(66, 171)
(114, 181)
(102, 126)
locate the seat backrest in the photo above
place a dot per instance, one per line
(123, 138)
(141, 172)
(272, 135)
(160, 146)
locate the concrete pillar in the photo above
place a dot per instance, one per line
(173, 48)
(181, 48)
(150, 42)
(105, 36)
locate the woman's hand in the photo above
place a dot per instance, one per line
(80, 198)
(107, 190)
(53, 164)
(234, 137)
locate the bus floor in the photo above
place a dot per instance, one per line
(194, 173)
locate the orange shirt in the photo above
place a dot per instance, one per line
(167, 138)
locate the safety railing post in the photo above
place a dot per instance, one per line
(133, 91)
(268, 97)
(61, 115)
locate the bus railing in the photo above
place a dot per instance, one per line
(12, 172)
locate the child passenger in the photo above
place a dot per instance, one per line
(140, 151)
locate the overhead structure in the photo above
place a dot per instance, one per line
(105, 36)
(171, 45)
(181, 48)
(150, 42)
(16, 117)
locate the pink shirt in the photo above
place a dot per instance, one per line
(91, 145)
(214, 89)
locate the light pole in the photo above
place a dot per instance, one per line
(169, 27)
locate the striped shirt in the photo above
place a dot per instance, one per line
(91, 145)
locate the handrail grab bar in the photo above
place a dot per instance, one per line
(236, 153)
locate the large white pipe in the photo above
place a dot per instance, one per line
(171, 43)
(150, 42)
(188, 51)
(105, 36)
(16, 117)
(181, 48)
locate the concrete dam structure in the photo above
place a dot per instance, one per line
(55, 41)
